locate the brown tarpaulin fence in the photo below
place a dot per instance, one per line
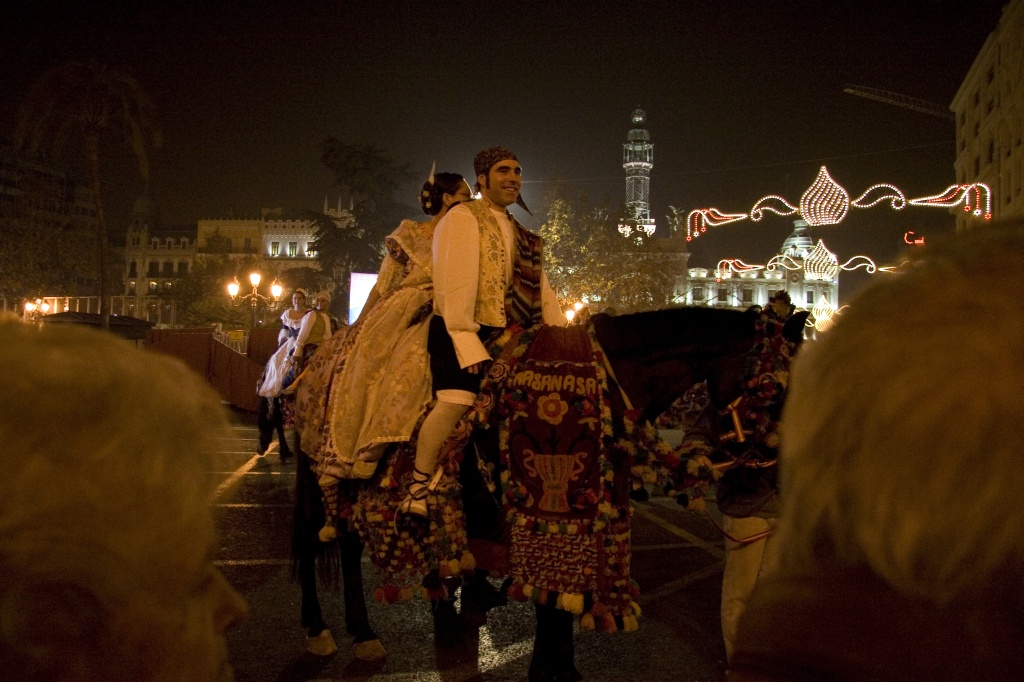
(232, 374)
(262, 344)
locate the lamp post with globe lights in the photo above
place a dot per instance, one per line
(255, 297)
(34, 309)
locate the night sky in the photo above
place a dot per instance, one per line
(743, 99)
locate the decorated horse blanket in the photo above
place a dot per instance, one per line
(563, 477)
(566, 484)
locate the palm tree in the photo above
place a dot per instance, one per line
(85, 101)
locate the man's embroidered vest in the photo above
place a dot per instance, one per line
(498, 305)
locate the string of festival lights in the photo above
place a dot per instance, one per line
(826, 202)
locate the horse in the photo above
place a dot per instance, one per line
(652, 359)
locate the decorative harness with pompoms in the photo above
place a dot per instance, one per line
(688, 470)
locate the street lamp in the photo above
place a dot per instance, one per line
(36, 309)
(255, 297)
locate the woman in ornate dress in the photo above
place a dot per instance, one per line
(269, 415)
(280, 361)
(314, 329)
(369, 386)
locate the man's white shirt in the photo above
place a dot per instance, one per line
(456, 274)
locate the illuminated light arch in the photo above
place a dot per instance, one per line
(862, 262)
(782, 262)
(825, 202)
(821, 264)
(700, 219)
(896, 198)
(729, 265)
(957, 194)
(766, 204)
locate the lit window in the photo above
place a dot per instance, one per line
(293, 249)
(275, 249)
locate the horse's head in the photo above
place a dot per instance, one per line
(726, 376)
(658, 355)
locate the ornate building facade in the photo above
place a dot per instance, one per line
(989, 108)
(803, 269)
(157, 256)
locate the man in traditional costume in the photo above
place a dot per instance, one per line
(487, 276)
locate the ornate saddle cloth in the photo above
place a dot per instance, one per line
(565, 485)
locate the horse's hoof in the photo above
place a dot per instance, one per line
(370, 650)
(322, 645)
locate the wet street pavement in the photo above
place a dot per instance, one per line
(677, 561)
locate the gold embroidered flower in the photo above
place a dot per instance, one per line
(551, 408)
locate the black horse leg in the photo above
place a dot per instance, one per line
(553, 651)
(285, 451)
(264, 424)
(312, 616)
(357, 620)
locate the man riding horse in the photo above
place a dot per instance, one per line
(487, 276)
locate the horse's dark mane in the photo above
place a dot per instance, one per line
(644, 333)
(658, 355)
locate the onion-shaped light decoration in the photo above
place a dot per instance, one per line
(821, 264)
(823, 313)
(825, 202)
